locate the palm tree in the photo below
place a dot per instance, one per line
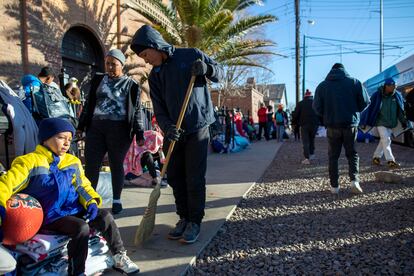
(211, 26)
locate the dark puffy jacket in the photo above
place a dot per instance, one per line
(304, 115)
(370, 115)
(339, 99)
(134, 113)
(169, 81)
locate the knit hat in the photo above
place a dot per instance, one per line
(116, 53)
(46, 72)
(52, 126)
(389, 81)
(308, 93)
(338, 66)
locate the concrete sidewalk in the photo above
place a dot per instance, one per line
(229, 178)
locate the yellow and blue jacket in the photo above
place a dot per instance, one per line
(57, 182)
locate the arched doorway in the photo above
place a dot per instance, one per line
(82, 55)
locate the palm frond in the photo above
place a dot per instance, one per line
(243, 4)
(246, 63)
(243, 26)
(187, 11)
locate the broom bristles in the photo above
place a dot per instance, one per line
(147, 224)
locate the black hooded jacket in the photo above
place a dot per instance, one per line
(169, 81)
(339, 99)
(304, 115)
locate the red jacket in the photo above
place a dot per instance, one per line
(261, 113)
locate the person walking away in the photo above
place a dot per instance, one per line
(386, 113)
(295, 127)
(269, 121)
(262, 114)
(308, 122)
(168, 81)
(70, 204)
(281, 121)
(111, 118)
(339, 99)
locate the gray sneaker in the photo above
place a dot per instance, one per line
(124, 264)
(191, 233)
(177, 232)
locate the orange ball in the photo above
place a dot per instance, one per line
(24, 216)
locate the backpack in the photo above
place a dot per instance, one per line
(45, 101)
(279, 118)
(30, 84)
(48, 102)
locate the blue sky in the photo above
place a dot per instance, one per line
(352, 20)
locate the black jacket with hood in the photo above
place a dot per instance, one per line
(339, 99)
(169, 81)
(304, 115)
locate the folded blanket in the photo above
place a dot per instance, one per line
(41, 246)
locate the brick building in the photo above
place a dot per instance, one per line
(70, 34)
(247, 98)
(250, 96)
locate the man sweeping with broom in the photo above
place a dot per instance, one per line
(169, 79)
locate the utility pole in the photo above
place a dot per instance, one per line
(297, 42)
(303, 65)
(24, 37)
(381, 33)
(118, 24)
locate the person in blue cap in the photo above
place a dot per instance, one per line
(70, 204)
(386, 113)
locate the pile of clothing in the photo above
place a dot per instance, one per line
(47, 255)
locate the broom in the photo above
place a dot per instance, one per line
(147, 224)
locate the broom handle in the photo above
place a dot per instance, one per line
(178, 125)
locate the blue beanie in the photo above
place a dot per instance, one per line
(52, 126)
(116, 53)
(389, 81)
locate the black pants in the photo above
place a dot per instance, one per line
(336, 138)
(186, 174)
(263, 126)
(296, 132)
(147, 159)
(308, 134)
(112, 137)
(78, 230)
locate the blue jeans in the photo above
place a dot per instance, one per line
(280, 131)
(336, 138)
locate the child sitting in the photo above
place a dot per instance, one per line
(70, 204)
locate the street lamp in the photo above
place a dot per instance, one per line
(310, 22)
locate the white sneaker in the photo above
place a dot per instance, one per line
(164, 183)
(312, 157)
(124, 264)
(355, 188)
(335, 190)
(306, 161)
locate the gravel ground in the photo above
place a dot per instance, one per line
(291, 224)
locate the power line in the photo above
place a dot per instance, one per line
(353, 18)
(348, 41)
